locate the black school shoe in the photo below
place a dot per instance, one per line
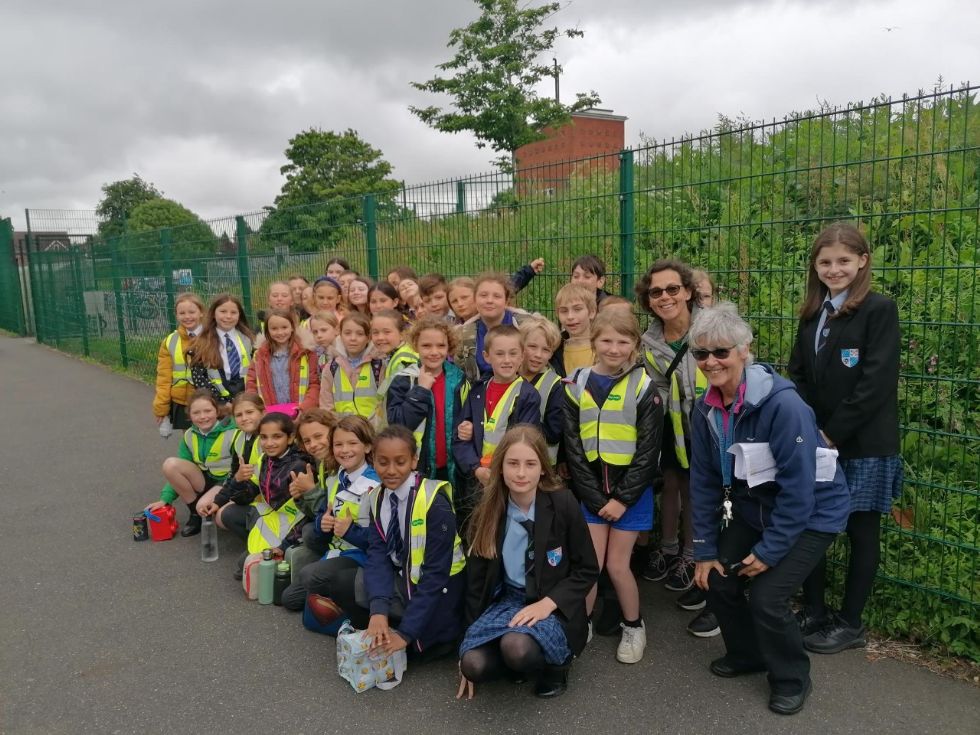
(704, 625)
(693, 599)
(240, 566)
(552, 683)
(811, 622)
(728, 668)
(837, 636)
(789, 704)
(192, 527)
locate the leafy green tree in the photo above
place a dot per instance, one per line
(327, 176)
(190, 237)
(499, 60)
(119, 199)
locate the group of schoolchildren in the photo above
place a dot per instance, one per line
(466, 476)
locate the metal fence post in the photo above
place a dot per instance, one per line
(53, 294)
(627, 224)
(241, 236)
(34, 273)
(460, 197)
(13, 316)
(168, 275)
(76, 267)
(118, 291)
(371, 234)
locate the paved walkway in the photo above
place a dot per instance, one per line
(102, 635)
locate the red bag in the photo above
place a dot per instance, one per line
(162, 523)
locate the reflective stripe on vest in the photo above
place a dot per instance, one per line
(545, 384)
(238, 446)
(402, 357)
(215, 376)
(273, 525)
(609, 432)
(352, 507)
(180, 372)
(425, 495)
(360, 399)
(218, 460)
(495, 425)
(675, 407)
(304, 379)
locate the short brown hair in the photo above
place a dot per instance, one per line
(502, 330)
(500, 278)
(665, 264)
(431, 283)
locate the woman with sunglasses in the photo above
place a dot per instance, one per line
(667, 292)
(766, 537)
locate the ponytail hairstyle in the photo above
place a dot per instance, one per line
(485, 525)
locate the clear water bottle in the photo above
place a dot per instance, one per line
(166, 428)
(209, 540)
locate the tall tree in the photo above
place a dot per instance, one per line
(192, 240)
(500, 58)
(326, 178)
(119, 199)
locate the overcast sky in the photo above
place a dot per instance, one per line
(201, 96)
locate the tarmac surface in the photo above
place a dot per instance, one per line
(103, 635)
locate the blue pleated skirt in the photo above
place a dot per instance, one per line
(492, 624)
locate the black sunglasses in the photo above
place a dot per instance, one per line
(719, 353)
(656, 293)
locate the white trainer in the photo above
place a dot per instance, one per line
(632, 644)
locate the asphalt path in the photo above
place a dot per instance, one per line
(103, 635)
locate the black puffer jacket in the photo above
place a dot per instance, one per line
(272, 481)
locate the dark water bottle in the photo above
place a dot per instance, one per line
(209, 540)
(282, 581)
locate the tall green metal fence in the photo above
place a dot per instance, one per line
(743, 201)
(11, 298)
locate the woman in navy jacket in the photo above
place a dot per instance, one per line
(774, 533)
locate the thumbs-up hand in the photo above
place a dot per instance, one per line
(303, 480)
(327, 522)
(245, 470)
(342, 522)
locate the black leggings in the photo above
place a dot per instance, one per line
(518, 653)
(864, 535)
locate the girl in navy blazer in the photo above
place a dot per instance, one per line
(531, 565)
(845, 365)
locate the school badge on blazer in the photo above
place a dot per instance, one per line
(850, 357)
(554, 556)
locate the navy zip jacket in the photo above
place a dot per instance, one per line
(434, 607)
(274, 478)
(771, 412)
(527, 410)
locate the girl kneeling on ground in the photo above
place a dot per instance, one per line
(531, 565)
(202, 462)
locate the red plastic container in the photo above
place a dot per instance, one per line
(162, 523)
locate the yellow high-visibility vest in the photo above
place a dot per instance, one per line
(353, 500)
(495, 425)
(609, 432)
(361, 398)
(238, 446)
(425, 495)
(675, 407)
(217, 461)
(304, 378)
(544, 385)
(180, 373)
(273, 524)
